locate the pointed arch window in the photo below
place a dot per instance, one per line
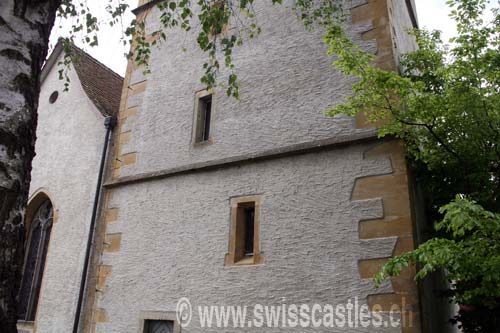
(37, 245)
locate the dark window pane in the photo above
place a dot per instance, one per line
(249, 229)
(43, 257)
(159, 326)
(41, 228)
(207, 116)
(29, 271)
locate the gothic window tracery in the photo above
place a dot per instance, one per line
(37, 244)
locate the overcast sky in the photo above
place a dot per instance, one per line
(432, 14)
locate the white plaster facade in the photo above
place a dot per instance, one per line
(70, 137)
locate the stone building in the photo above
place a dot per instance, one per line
(262, 201)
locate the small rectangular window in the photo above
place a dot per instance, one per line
(158, 322)
(158, 326)
(203, 118)
(244, 247)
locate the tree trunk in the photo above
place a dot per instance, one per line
(25, 26)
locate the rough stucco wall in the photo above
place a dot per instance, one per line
(70, 136)
(168, 238)
(287, 82)
(175, 236)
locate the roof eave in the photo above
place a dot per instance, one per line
(52, 60)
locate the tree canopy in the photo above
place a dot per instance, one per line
(207, 17)
(445, 105)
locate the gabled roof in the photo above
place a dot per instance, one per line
(102, 86)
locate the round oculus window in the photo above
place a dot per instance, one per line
(53, 97)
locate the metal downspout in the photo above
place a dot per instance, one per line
(109, 124)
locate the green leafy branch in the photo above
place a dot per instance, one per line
(470, 256)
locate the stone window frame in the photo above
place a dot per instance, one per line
(257, 257)
(38, 197)
(199, 95)
(158, 315)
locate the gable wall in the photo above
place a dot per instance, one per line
(70, 136)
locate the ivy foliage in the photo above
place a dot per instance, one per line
(222, 26)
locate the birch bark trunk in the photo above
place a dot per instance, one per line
(25, 26)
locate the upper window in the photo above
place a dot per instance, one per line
(244, 247)
(37, 246)
(202, 126)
